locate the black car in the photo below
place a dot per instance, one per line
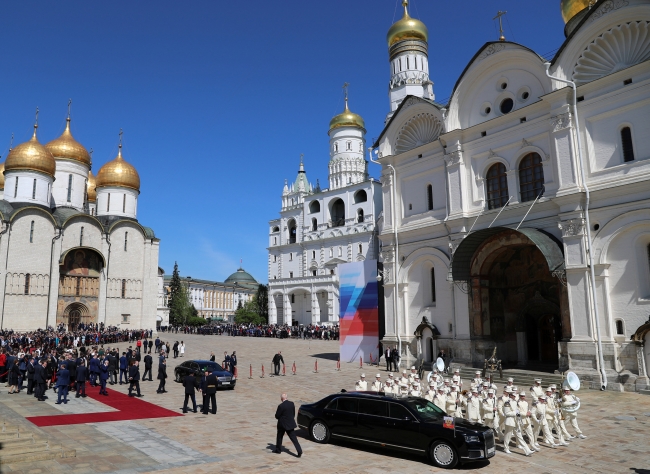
(409, 424)
(225, 379)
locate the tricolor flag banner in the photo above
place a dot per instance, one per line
(448, 422)
(359, 314)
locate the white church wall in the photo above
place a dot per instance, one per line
(70, 175)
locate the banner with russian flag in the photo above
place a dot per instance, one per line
(359, 314)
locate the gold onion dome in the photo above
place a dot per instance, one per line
(67, 147)
(571, 8)
(2, 176)
(407, 29)
(347, 119)
(118, 173)
(91, 185)
(31, 156)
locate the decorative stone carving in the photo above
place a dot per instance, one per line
(615, 49)
(525, 143)
(419, 130)
(408, 77)
(490, 50)
(560, 275)
(386, 180)
(454, 158)
(572, 227)
(492, 153)
(387, 256)
(608, 7)
(561, 121)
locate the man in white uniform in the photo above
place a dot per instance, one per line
(472, 406)
(456, 379)
(431, 392)
(510, 414)
(440, 400)
(377, 386)
(488, 409)
(477, 380)
(544, 415)
(526, 421)
(570, 400)
(361, 385)
(554, 421)
(537, 390)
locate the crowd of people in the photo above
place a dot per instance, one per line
(278, 331)
(514, 414)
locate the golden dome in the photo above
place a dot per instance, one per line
(347, 119)
(91, 184)
(118, 173)
(67, 147)
(2, 176)
(407, 29)
(31, 156)
(571, 8)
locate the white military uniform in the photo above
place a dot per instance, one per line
(510, 412)
(440, 400)
(457, 380)
(388, 387)
(569, 400)
(361, 385)
(527, 422)
(472, 406)
(543, 415)
(553, 411)
(415, 391)
(404, 379)
(487, 412)
(430, 394)
(536, 391)
(377, 386)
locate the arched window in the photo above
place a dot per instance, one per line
(497, 186)
(361, 248)
(338, 213)
(291, 256)
(314, 224)
(292, 231)
(626, 144)
(340, 251)
(27, 281)
(81, 237)
(348, 146)
(433, 285)
(275, 229)
(430, 197)
(531, 177)
(313, 254)
(620, 330)
(314, 207)
(360, 216)
(31, 233)
(123, 289)
(331, 252)
(16, 187)
(360, 196)
(123, 203)
(108, 203)
(336, 147)
(275, 241)
(34, 190)
(126, 240)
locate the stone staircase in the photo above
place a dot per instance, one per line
(20, 445)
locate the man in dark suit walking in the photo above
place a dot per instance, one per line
(286, 414)
(209, 390)
(191, 384)
(82, 376)
(124, 366)
(62, 383)
(148, 362)
(134, 379)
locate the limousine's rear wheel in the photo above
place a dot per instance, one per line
(319, 432)
(443, 455)
(178, 377)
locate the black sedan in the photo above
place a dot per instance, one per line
(409, 424)
(225, 379)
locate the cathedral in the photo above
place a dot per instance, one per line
(517, 215)
(319, 229)
(71, 247)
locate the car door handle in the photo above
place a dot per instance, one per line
(329, 414)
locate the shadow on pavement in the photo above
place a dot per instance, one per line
(327, 355)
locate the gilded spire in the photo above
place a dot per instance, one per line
(118, 172)
(31, 156)
(66, 147)
(407, 29)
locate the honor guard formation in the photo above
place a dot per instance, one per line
(515, 414)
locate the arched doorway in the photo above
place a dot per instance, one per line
(515, 297)
(79, 280)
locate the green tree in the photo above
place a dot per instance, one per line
(262, 302)
(247, 314)
(178, 302)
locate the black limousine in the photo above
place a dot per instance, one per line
(408, 424)
(225, 379)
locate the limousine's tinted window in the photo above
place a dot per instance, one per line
(344, 404)
(398, 411)
(424, 409)
(373, 407)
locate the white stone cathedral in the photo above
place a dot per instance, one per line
(71, 248)
(521, 213)
(319, 229)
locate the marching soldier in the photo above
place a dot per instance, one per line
(415, 390)
(412, 375)
(499, 417)
(361, 385)
(431, 392)
(417, 382)
(472, 406)
(544, 416)
(405, 378)
(557, 399)
(440, 400)
(510, 414)
(488, 409)
(536, 390)
(403, 390)
(388, 387)
(511, 382)
(477, 380)
(526, 420)
(377, 385)
(570, 400)
(457, 379)
(553, 411)
(452, 402)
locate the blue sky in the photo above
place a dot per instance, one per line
(218, 99)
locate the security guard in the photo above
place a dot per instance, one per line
(191, 384)
(209, 391)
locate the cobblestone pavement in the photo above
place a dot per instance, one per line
(239, 439)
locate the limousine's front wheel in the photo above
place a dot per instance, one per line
(319, 432)
(443, 455)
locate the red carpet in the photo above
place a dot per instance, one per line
(129, 408)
